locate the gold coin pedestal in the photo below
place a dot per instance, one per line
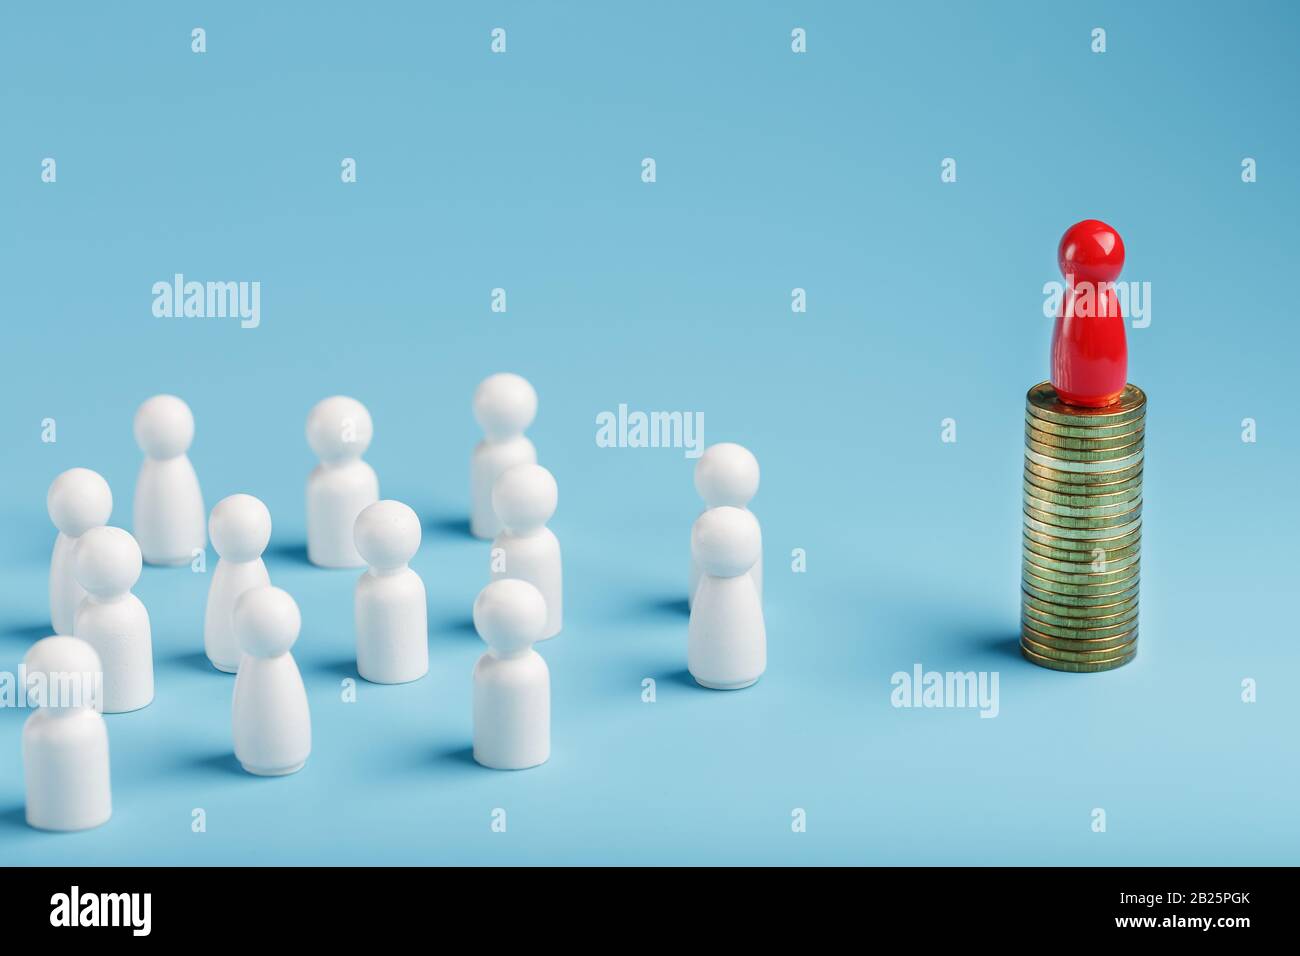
(1083, 531)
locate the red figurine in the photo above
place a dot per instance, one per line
(1089, 352)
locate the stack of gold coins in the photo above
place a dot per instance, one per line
(1083, 530)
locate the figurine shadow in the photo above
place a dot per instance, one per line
(677, 607)
(14, 818)
(223, 763)
(682, 678)
(448, 526)
(454, 626)
(26, 633)
(340, 667)
(463, 756)
(193, 661)
(290, 552)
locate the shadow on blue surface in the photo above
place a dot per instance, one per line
(1001, 644)
(290, 552)
(668, 606)
(223, 763)
(26, 633)
(682, 678)
(462, 626)
(448, 526)
(192, 661)
(14, 818)
(341, 667)
(456, 755)
(450, 757)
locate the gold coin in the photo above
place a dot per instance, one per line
(1056, 654)
(1078, 633)
(1081, 640)
(1066, 644)
(1080, 628)
(1071, 589)
(1085, 578)
(1100, 510)
(1080, 567)
(1078, 600)
(1090, 480)
(1077, 667)
(1076, 455)
(1106, 616)
(1104, 580)
(1082, 444)
(1101, 647)
(1079, 534)
(1090, 523)
(1040, 619)
(1057, 463)
(1043, 402)
(1084, 431)
(1066, 485)
(1058, 609)
(1070, 495)
(1051, 540)
(1088, 557)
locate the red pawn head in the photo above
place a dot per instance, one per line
(1089, 352)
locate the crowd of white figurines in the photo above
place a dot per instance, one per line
(250, 627)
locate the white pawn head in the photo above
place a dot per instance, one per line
(266, 622)
(524, 498)
(106, 561)
(387, 535)
(79, 499)
(164, 427)
(339, 429)
(726, 474)
(240, 528)
(70, 673)
(726, 541)
(510, 616)
(504, 405)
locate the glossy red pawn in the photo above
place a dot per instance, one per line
(1089, 350)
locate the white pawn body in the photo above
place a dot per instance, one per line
(339, 430)
(270, 717)
(169, 514)
(512, 685)
(727, 640)
(78, 500)
(524, 499)
(504, 405)
(240, 528)
(65, 742)
(727, 475)
(391, 616)
(112, 620)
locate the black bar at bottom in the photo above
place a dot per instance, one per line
(306, 904)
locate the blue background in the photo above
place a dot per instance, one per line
(775, 170)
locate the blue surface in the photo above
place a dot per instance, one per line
(774, 171)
